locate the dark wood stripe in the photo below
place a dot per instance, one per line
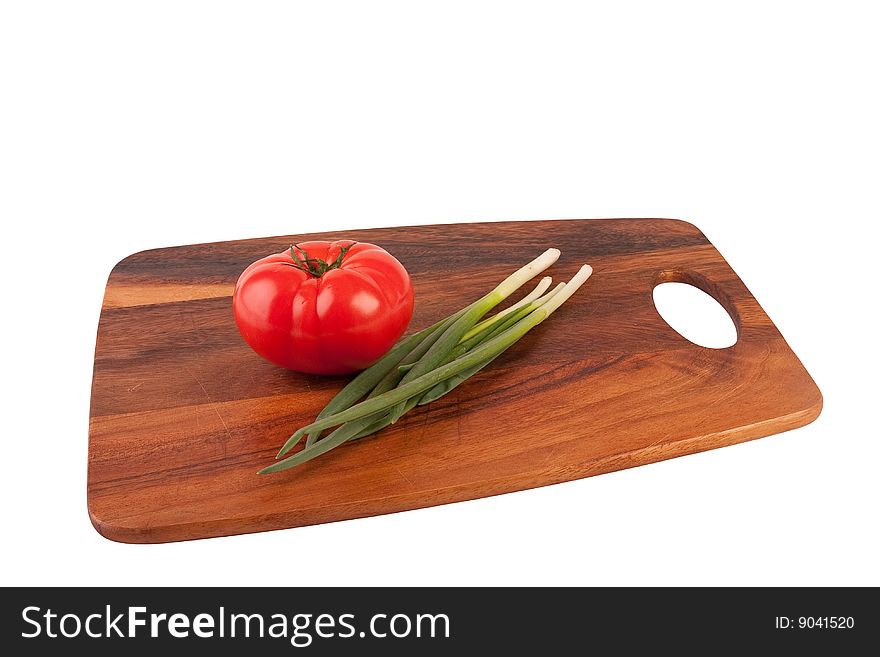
(423, 250)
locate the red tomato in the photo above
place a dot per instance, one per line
(324, 307)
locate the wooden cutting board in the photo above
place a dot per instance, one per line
(183, 413)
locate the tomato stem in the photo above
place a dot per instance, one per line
(315, 266)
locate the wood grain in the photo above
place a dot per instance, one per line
(183, 414)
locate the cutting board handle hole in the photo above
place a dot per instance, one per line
(689, 306)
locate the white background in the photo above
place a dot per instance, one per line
(125, 126)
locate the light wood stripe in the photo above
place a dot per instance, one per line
(129, 295)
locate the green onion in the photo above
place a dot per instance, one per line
(491, 327)
(471, 337)
(370, 411)
(508, 320)
(402, 393)
(439, 351)
(531, 296)
(346, 432)
(367, 380)
(445, 386)
(452, 382)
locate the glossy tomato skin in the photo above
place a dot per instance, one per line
(336, 323)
